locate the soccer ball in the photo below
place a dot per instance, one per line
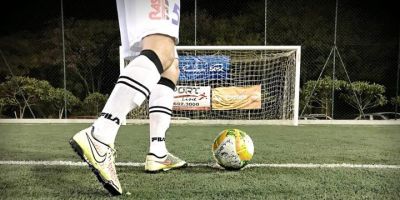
(233, 149)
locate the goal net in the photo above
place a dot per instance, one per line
(220, 83)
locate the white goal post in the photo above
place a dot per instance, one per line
(240, 84)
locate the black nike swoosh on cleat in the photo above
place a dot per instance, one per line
(160, 157)
(99, 158)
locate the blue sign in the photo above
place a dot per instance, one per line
(212, 67)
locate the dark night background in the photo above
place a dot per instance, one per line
(30, 15)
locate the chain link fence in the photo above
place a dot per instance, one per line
(365, 40)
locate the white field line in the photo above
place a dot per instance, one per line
(212, 165)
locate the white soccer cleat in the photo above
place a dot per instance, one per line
(100, 158)
(157, 164)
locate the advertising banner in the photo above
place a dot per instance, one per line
(208, 67)
(229, 98)
(192, 98)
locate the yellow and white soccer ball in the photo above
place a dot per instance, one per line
(233, 149)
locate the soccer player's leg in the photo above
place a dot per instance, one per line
(132, 88)
(95, 144)
(160, 112)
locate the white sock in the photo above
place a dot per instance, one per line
(133, 87)
(160, 112)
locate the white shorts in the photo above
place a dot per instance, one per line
(140, 18)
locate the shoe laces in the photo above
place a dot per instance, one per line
(172, 158)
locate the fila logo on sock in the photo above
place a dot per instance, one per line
(158, 139)
(110, 117)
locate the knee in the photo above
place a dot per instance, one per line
(175, 69)
(163, 46)
(168, 60)
(172, 72)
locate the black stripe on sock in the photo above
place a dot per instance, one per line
(150, 54)
(141, 85)
(160, 111)
(167, 82)
(133, 87)
(162, 107)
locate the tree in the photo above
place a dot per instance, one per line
(3, 103)
(21, 92)
(318, 94)
(56, 100)
(395, 101)
(362, 95)
(94, 102)
(91, 50)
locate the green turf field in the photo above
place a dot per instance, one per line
(317, 144)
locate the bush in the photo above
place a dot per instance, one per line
(94, 103)
(362, 95)
(43, 100)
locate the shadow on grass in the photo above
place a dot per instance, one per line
(61, 182)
